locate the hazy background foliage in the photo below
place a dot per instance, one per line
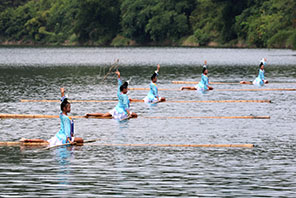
(228, 23)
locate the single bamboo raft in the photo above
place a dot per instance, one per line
(71, 101)
(213, 83)
(227, 83)
(32, 116)
(262, 89)
(168, 101)
(24, 143)
(34, 144)
(209, 117)
(36, 116)
(181, 145)
(41, 143)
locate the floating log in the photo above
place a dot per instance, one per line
(182, 145)
(167, 101)
(35, 116)
(209, 117)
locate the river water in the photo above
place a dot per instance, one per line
(268, 170)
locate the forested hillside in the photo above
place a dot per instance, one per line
(227, 23)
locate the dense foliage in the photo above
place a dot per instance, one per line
(246, 23)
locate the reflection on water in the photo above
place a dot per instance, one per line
(95, 170)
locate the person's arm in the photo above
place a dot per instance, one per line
(67, 128)
(128, 113)
(261, 74)
(62, 92)
(158, 67)
(126, 104)
(119, 81)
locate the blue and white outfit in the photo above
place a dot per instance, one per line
(259, 81)
(120, 111)
(202, 86)
(153, 93)
(66, 131)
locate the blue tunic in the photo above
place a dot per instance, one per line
(67, 128)
(260, 78)
(123, 104)
(153, 93)
(203, 84)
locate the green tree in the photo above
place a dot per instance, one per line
(97, 20)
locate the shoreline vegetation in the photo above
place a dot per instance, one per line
(129, 23)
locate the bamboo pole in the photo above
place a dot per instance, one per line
(42, 143)
(224, 83)
(24, 143)
(213, 83)
(71, 101)
(132, 145)
(182, 145)
(32, 116)
(209, 117)
(132, 88)
(36, 116)
(261, 89)
(167, 101)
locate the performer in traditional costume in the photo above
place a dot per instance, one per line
(153, 96)
(203, 85)
(122, 109)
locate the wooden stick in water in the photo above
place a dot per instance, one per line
(213, 83)
(32, 116)
(71, 101)
(261, 89)
(23, 116)
(229, 83)
(41, 143)
(209, 117)
(132, 145)
(73, 143)
(167, 101)
(183, 145)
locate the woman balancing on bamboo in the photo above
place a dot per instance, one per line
(153, 96)
(203, 85)
(66, 132)
(122, 109)
(259, 81)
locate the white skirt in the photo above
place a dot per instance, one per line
(147, 100)
(118, 115)
(55, 141)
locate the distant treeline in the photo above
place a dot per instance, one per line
(226, 23)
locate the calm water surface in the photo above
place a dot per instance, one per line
(93, 170)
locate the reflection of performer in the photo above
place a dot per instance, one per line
(152, 96)
(259, 81)
(203, 85)
(66, 132)
(122, 109)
